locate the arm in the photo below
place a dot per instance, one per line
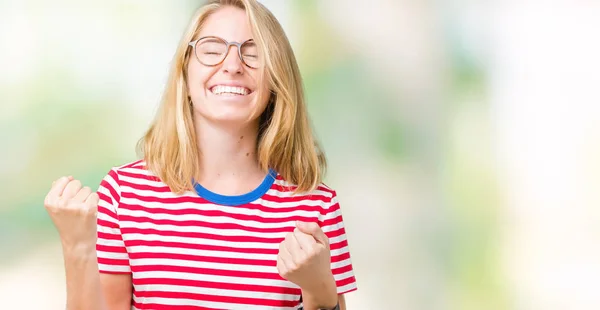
(83, 282)
(117, 290)
(88, 289)
(73, 210)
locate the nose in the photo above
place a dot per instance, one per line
(232, 63)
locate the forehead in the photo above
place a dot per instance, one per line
(229, 23)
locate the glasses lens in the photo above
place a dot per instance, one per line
(250, 54)
(211, 51)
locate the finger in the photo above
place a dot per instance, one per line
(314, 230)
(286, 257)
(293, 247)
(72, 189)
(83, 194)
(281, 268)
(58, 187)
(92, 203)
(305, 241)
(92, 199)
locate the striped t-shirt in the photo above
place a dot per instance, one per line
(202, 250)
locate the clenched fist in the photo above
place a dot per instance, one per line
(73, 210)
(304, 257)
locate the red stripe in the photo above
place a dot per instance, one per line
(346, 281)
(273, 198)
(342, 269)
(338, 245)
(108, 212)
(108, 224)
(169, 233)
(220, 226)
(197, 200)
(110, 248)
(112, 174)
(208, 271)
(220, 285)
(148, 306)
(341, 257)
(335, 233)
(132, 243)
(107, 236)
(144, 187)
(207, 259)
(114, 272)
(215, 298)
(214, 213)
(139, 176)
(113, 262)
(133, 164)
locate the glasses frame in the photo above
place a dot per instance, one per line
(228, 44)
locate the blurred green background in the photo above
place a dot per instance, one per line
(462, 138)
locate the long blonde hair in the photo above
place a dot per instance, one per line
(285, 141)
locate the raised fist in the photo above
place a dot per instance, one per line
(73, 210)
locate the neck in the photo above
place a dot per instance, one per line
(227, 154)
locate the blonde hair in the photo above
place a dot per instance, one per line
(285, 141)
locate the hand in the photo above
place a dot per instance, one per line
(73, 210)
(304, 258)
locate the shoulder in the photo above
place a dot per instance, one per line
(131, 172)
(321, 192)
(135, 170)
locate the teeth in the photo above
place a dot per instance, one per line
(221, 89)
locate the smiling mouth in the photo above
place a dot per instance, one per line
(222, 90)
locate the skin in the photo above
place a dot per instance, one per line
(227, 139)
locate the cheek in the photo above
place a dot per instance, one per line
(197, 76)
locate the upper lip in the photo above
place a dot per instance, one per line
(234, 84)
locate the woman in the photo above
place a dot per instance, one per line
(227, 209)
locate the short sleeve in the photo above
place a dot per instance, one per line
(110, 248)
(332, 224)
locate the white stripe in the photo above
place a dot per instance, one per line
(210, 219)
(104, 216)
(189, 240)
(201, 264)
(140, 181)
(337, 239)
(177, 250)
(212, 278)
(112, 255)
(209, 304)
(114, 268)
(113, 183)
(339, 251)
(306, 201)
(343, 276)
(215, 291)
(342, 263)
(346, 288)
(238, 210)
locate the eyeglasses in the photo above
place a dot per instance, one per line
(211, 51)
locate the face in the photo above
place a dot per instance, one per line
(227, 92)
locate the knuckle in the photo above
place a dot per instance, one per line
(62, 203)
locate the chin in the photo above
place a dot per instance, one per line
(226, 115)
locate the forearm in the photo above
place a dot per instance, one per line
(323, 295)
(83, 279)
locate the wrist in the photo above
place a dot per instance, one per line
(79, 250)
(321, 295)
